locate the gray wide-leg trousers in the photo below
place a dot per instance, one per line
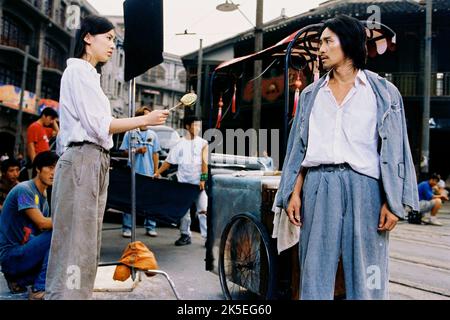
(78, 204)
(340, 212)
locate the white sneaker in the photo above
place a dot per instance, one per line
(126, 234)
(152, 233)
(435, 222)
(426, 220)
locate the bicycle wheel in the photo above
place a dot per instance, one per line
(246, 260)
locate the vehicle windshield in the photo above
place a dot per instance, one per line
(167, 138)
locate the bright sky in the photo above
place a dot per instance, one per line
(209, 24)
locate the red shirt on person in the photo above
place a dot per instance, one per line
(37, 134)
(49, 132)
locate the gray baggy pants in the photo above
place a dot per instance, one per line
(78, 204)
(340, 212)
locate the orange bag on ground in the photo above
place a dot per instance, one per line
(136, 255)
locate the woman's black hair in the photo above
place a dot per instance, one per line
(352, 36)
(93, 25)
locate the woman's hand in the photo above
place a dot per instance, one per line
(156, 117)
(141, 150)
(293, 209)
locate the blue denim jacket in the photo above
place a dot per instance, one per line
(397, 169)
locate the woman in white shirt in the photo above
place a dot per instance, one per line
(81, 179)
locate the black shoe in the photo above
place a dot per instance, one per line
(14, 287)
(184, 240)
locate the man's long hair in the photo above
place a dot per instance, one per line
(352, 36)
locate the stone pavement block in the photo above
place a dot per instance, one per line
(149, 288)
(104, 281)
(399, 292)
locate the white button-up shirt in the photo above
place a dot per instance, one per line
(346, 132)
(85, 111)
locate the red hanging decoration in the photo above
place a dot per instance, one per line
(233, 103)
(298, 84)
(219, 115)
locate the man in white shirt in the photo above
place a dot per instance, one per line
(338, 198)
(191, 156)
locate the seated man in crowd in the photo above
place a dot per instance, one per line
(429, 202)
(10, 169)
(25, 230)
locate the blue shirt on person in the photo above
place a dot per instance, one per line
(144, 162)
(15, 226)
(425, 191)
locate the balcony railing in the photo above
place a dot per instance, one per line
(13, 42)
(16, 43)
(410, 84)
(46, 7)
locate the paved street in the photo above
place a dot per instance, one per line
(420, 264)
(420, 260)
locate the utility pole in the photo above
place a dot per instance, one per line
(257, 84)
(198, 111)
(424, 163)
(18, 139)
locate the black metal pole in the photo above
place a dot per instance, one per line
(131, 155)
(424, 164)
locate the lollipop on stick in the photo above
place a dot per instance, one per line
(188, 100)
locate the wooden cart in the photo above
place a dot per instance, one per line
(245, 256)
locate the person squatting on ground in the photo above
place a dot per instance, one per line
(344, 192)
(10, 169)
(191, 156)
(25, 230)
(441, 190)
(82, 177)
(429, 202)
(147, 161)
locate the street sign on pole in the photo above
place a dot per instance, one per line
(144, 36)
(143, 45)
